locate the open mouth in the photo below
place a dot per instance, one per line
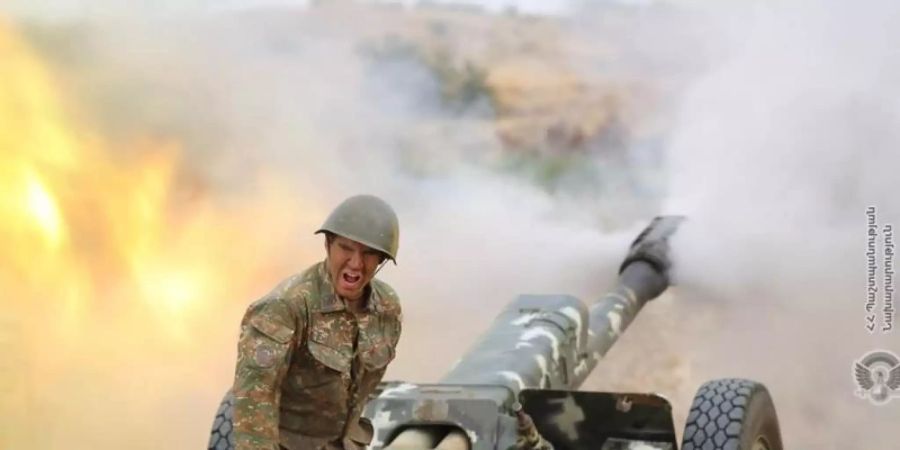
(351, 279)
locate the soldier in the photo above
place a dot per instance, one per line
(312, 351)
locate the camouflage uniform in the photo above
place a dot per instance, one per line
(307, 365)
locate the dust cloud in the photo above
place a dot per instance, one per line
(278, 114)
(269, 118)
(776, 154)
(783, 132)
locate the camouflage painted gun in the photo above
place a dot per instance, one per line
(514, 389)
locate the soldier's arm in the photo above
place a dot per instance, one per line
(398, 327)
(268, 332)
(394, 316)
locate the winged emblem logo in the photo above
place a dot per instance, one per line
(877, 374)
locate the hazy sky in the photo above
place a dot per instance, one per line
(61, 9)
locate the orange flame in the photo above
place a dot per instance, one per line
(116, 286)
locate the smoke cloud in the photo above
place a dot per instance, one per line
(777, 133)
(776, 154)
(273, 117)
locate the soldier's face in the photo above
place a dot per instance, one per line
(351, 266)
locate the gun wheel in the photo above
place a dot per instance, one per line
(732, 414)
(221, 438)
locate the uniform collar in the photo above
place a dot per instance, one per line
(331, 302)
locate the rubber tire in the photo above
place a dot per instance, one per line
(731, 414)
(221, 437)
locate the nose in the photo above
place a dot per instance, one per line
(355, 261)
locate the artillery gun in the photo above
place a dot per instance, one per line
(516, 387)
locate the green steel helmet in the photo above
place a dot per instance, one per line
(368, 220)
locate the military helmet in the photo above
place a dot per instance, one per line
(368, 220)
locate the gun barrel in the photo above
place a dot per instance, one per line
(538, 346)
(643, 276)
(553, 341)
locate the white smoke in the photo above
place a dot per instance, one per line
(281, 99)
(776, 154)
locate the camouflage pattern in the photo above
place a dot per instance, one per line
(532, 355)
(529, 437)
(554, 341)
(307, 364)
(477, 410)
(538, 349)
(491, 418)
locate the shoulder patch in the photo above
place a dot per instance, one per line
(264, 355)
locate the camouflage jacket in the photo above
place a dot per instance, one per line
(307, 365)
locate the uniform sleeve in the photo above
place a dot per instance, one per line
(397, 327)
(393, 314)
(268, 331)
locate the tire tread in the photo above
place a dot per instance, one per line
(221, 438)
(717, 413)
